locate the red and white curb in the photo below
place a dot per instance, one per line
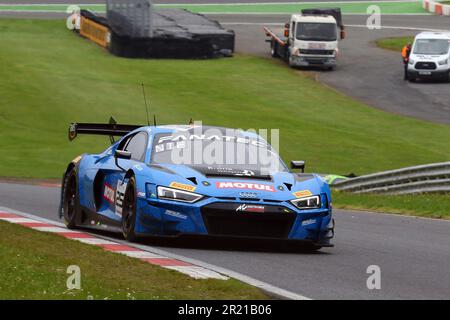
(436, 7)
(193, 267)
(191, 270)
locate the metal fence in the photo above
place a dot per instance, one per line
(132, 18)
(431, 178)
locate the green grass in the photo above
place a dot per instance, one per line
(431, 206)
(285, 8)
(51, 77)
(394, 43)
(32, 269)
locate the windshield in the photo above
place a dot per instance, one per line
(316, 31)
(431, 46)
(218, 153)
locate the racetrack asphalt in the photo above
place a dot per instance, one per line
(413, 253)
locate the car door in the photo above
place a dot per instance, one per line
(109, 185)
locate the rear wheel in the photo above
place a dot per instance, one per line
(129, 211)
(70, 200)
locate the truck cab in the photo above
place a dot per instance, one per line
(309, 39)
(430, 56)
(313, 41)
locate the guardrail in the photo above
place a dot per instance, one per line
(436, 7)
(430, 178)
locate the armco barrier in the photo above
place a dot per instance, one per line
(429, 178)
(436, 7)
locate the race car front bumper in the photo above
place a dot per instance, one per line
(219, 218)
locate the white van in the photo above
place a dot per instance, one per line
(430, 56)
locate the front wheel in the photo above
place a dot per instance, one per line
(129, 211)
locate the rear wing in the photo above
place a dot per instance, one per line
(111, 129)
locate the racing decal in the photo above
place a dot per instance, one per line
(141, 194)
(245, 185)
(109, 194)
(175, 214)
(302, 193)
(182, 186)
(170, 142)
(76, 160)
(250, 208)
(308, 222)
(120, 194)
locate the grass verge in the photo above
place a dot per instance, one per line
(430, 206)
(33, 269)
(42, 90)
(395, 43)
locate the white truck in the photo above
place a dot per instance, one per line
(430, 57)
(310, 39)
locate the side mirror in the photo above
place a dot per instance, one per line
(120, 154)
(298, 165)
(343, 34)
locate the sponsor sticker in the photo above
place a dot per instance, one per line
(120, 194)
(182, 186)
(109, 194)
(250, 208)
(308, 222)
(141, 194)
(245, 185)
(302, 193)
(175, 214)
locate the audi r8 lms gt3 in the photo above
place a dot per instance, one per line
(193, 180)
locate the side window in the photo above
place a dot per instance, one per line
(293, 29)
(137, 145)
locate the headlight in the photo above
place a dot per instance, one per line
(443, 62)
(307, 203)
(411, 61)
(178, 195)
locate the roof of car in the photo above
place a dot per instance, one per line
(433, 35)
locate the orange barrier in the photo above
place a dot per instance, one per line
(95, 32)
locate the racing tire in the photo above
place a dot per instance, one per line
(70, 205)
(129, 211)
(274, 49)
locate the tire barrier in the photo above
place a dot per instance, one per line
(431, 178)
(436, 7)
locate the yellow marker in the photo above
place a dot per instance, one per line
(302, 193)
(182, 186)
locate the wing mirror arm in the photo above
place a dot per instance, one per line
(298, 165)
(120, 154)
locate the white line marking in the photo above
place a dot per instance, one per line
(280, 24)
(141, 254)
(93, 241)
(273, 290)
(54, 229)
(18, 220)
(198, 272)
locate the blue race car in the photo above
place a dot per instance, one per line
(188, 180)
